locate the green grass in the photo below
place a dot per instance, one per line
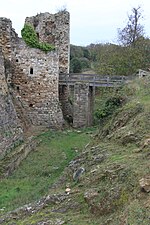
(41, 168)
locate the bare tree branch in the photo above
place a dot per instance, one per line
(133, 31)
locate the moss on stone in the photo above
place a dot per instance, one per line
(31, 39)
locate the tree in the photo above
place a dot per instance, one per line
(76, 51)
(75, 65)
(120, 60)
(79, 59)
(133, 31)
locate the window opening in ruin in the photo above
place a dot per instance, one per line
(39, 93)
(17, 60)
(31, 70)
(31, 105)
(17, 88)
(38, 35)
(25, 82)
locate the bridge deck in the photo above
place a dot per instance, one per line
(95, 80)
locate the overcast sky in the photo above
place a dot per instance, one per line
(92, 21)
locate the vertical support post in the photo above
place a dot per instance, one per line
(91, 96)
(65, 103)
(83, 105)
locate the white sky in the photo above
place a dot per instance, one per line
(92, 21)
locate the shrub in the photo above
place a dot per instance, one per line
(31, 39)
(109, 107)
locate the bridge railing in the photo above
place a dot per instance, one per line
(91, 79)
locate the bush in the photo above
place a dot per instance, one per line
(31, 39)
(109, 107)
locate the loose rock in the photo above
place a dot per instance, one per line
(145, 184)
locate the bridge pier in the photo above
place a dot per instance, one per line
(65, 103)
(83, 105)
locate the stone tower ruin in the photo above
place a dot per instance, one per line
(29, 77)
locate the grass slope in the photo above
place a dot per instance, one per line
(108, 192)
(41, 168)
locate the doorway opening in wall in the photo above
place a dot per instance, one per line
(31, 70)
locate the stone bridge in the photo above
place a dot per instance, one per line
(83, 86)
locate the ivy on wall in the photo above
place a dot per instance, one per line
(31, 39)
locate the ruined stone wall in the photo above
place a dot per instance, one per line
(32, 78)
(54, 29)
(29, 78)
(35, 79)
(5, 37)
(10, 128)
(9, 41)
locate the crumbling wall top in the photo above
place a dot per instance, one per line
(54, 29)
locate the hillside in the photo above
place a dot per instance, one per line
(114, 160)
(110, 59)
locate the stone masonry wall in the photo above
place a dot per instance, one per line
(29, 78)
(33, 75)
(83, 105)
(54, 29)
(8, 41)
(10, 128)
(5, 37)
(66, 105)
(35, 79)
